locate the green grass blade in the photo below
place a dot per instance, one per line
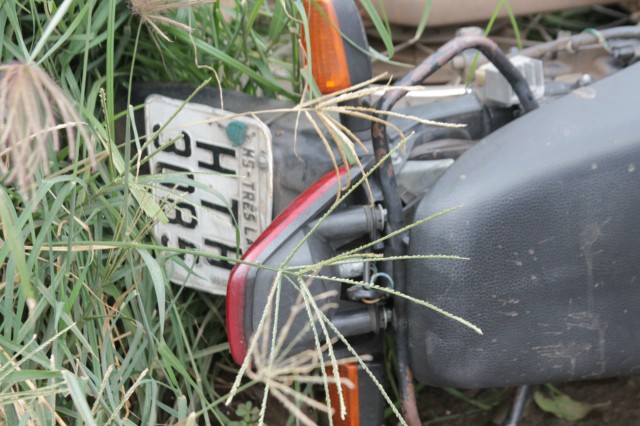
(14, 240)
(50, 28)
(380, 25)
(79, 398)
(159, 281)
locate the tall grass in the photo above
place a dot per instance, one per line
(90, 329)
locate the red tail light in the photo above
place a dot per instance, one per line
(298, 211)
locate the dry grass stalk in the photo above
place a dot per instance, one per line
(276, 364)
(153, 13)
(33, 112)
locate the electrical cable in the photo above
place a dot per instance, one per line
(519, 403)
(587, 37)
(447, 52)
(391, 196)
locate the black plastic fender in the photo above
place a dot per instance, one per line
(550, 222)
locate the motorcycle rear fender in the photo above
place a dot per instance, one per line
(550, 222)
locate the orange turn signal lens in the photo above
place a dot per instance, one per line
(328, 59)
(350, 394)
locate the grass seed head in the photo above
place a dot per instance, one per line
(153, 13)
(33, 112)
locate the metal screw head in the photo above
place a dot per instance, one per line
(396, 158)
(351, 270)
(263, 163)
(585, 80)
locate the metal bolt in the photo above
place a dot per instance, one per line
(396, 158)
(263, 163)
(585, 80)
(351, 270)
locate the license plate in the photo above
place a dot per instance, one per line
(215, 179)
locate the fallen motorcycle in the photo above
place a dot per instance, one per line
(501, 253)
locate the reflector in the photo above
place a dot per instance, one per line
(328, 58)
(349, 393)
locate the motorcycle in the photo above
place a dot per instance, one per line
(501, 253)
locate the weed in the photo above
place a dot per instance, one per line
(90, 328)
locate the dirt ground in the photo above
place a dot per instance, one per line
(617, 400)
(618, 405)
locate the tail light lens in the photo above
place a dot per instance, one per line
(351, 396)
(330, 69)
(244, 302)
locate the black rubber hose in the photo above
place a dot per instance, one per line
(519, 403)
(392, 201)
(445, 53)
(574, 42)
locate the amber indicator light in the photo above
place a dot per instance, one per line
(328, 58)
(349, 393)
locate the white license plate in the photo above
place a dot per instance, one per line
(223, 197)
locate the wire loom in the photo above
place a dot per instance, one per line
(391, 196)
